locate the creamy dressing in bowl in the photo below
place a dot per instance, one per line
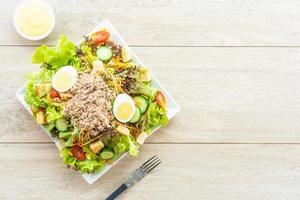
(34, 19)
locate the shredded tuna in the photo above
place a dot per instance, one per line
(90, 108)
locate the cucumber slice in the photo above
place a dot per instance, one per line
(49, 127)
(107, 154)
(64, 134)
(141, 103)
(104, 53)
(136, 117)
(61, 124)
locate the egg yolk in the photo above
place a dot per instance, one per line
(63, 80)
(124, 111)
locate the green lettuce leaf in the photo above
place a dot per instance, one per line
(76, 62)
(145, 89)
(118, 144)
(90, 164)
(43, 75)
(88, 54)
(49, 127)
(133, 146)
(57, 56)
(123, 143)
(52, 114)
(155, 116)
(67, 157)
(33, 79)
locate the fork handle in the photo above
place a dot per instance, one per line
(118, 191)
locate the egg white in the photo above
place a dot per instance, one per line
(70, 71)
(123, 98)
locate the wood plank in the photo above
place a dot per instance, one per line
(199, 171)
(176, 22)
(247, 95)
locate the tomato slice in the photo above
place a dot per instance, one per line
(160, 99)
(100, 37)
(54, 93)
(42, 109)
(77, 152)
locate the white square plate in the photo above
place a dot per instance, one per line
(172, 107)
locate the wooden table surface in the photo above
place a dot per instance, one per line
(233, 67)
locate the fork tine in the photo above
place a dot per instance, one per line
(152, 167)
(145, 163)
(154, 162)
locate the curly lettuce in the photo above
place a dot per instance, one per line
(30, 97)
(55, 57)
(155, 116)
(88, 54)
(146, 89)
(123, 143)
(90, 164)
(53, 114)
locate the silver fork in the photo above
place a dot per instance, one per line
(137, 175)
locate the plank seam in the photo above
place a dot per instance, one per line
(164, 46)
(196, 143)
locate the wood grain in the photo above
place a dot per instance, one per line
(198, 171)
(232, 66)
(227, 95)
(172, 22)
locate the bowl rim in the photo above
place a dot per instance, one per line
(51, 12)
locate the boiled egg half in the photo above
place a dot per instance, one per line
(64, 78)
(124, 108)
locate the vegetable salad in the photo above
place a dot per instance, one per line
(121, 105)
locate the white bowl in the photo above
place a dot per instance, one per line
(51, 12)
